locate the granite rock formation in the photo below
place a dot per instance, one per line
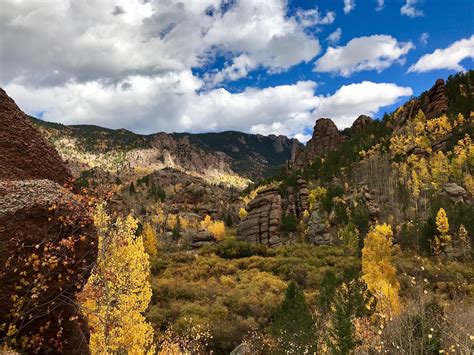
(47, 242)
(262, 224)
(433, 103)
(326, 137)
(360, 123)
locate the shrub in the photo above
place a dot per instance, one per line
(289, 224)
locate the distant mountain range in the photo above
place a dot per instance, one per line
(230, 157)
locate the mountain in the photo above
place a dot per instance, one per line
(396, 169)
(229, 157)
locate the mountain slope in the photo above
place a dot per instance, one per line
(230, 157)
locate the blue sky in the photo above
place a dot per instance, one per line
(212, 65)
(444, 25)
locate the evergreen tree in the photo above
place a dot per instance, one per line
(293, 325)
(177, 228)
(351, 300)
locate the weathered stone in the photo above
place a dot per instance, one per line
(40, 219)
(262, 224)
(326, 137)
(360, 123)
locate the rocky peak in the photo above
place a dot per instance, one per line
(360, 123)
(433, 103)
(326, 137)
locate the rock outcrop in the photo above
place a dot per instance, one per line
(433, 103)
(360, 123)
(326, 137)
(318, 229)
(202, 238)
(24, 154)
(455, 192)
(47, 242)
(262, 224)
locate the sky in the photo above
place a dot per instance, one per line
(257, 66)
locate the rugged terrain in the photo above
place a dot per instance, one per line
(47, 242)
(232, 158)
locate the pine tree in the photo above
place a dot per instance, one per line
(293, 325)
(352, 299)
(378, 271)
(118, 291)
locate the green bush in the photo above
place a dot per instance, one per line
(289, 224)
(230, 248)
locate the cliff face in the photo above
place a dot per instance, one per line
(433, 103)
(47, 242)
(325, 137)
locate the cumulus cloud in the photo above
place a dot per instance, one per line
(447, 58)
(53, 42)
(335, 37)
(410, 10)
(353, 100)
(376, 52)
(174, 102)
(349, 5)
(131, 64)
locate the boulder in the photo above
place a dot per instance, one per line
(48, 243)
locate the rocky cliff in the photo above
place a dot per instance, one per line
(47, 242)
(433, 103)
(325, 137)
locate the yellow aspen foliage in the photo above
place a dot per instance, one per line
(439, 165)
(468, 182)
(118, 291)
(315, 195)
(217, 230)
(377, 270)
(460, 120)
(443, 241)
(442, 223)
(398, 144)
(463, 156)
(206, 222)
(438, 127)
(150, 241)
(242, 213)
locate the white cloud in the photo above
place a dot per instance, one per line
(380, 5)
(424, 38)
(334, 37)
(52, 42)
(447, 58)
(353, 100)
(349, 5)
(376, 52)
(174, 102)
(312, 17)
(410, 10)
